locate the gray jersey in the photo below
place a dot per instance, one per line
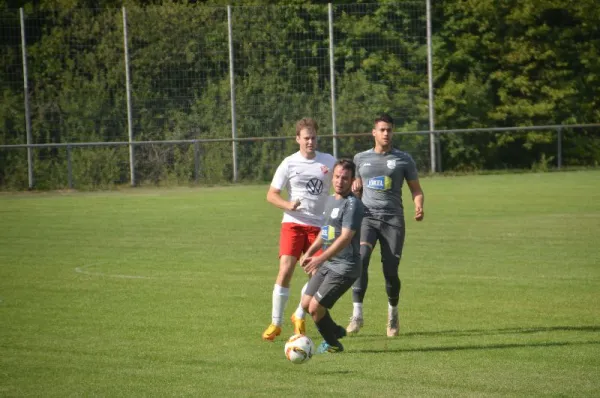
(343, 213)
(382, 177)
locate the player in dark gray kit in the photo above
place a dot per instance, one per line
(334, 271)
(380, 173)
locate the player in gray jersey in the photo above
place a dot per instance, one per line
(336, 268)
(380, 173)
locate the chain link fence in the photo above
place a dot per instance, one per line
(195, 74)
(206, 95)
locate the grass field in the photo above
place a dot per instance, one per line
(166, 292)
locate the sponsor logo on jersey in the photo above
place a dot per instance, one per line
(391, 164)
(380, 183)
(314, 186)
(335, 212)
(327, 235)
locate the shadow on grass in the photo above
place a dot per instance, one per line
(483, 332)
(336, 372)
(475, 347)
(490, 332)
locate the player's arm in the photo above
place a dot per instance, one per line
(306, 257)
(357, 187)
(316, 245)
(274, 197)
(357, 184)
(418, 198)
(311, 264)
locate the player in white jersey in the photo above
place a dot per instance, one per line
(306, 176)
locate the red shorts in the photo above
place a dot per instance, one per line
(295, 239)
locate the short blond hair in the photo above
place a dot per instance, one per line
(307, 123)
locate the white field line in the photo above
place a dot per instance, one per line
(83, 270)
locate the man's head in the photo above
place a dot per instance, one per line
(343, 176)
(382, 131)
(384, 117)
(306, 136)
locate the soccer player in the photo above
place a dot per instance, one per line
(380, 173)
(306, 175)
(337, 266)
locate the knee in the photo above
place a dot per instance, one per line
(390, 268)
(315, 309)
(365, 254)
(286, 270)
(305, 302)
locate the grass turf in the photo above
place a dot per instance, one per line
(165, 293)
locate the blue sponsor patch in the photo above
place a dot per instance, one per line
(380, 183)
(327, 235)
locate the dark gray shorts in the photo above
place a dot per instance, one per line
(327, 286)
(389, 231)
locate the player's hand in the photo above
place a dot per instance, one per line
(295, 205)
(311, 264)
(419, 213)
(302, 260)
(357, 186)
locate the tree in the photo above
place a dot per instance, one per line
(515, 63)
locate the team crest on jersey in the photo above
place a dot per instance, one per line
(391, 164)
(381, 183)
(327, 235)
(324, 169)
(335, 212)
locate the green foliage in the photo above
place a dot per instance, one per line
(77, 76)
(100, 168)
(507, 63)
(543, 164)
(13, 166)
(12, 112)
(514, 63)
(581, 147)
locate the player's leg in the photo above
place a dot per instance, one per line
(290, 246)
(310, 235)
(298, 316)
(331, 286)
(368, 239)
(392, 243)
(312, 287)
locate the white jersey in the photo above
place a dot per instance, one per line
(308, 180)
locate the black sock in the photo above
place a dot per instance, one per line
(328, 329)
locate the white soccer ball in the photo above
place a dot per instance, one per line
(299, 349)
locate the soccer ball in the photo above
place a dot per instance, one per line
(299, 348)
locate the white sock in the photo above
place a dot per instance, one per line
(299, 313)
(280, 297)
(392, 310)
(357, 311)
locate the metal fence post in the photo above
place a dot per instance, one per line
(232, 88)
(332, 81)
(69, 167)
(26, 99)
(196, 161)
(128, 89)
(432, 151)
(559, 147)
